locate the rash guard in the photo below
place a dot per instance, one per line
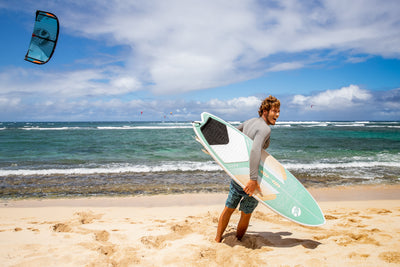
(259, 131)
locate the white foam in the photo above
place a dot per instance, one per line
(299, 122)
(54, 128)
(349, 125)
(161, 127)
(386, 124)
(116, 168)
(344, 165)
(144, 127)
(302, 123)
(282, 126)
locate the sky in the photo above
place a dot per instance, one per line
(130, 60)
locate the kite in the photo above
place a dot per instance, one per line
(44, 38)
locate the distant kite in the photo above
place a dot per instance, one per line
(44, 38)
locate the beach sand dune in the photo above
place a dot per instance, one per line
(179, 230)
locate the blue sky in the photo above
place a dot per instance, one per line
(325, 60)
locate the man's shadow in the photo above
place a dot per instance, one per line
(258, 240)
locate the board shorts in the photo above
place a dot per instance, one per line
(237, 195)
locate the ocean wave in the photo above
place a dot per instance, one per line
(376, 124)
(187, 166)
(298, 122)
(349, 125)
(118, 168)
(317, 124)
(282, 126)
(144, 127)
(340, 165)
(55, 128)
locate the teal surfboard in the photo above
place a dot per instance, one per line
(280, 190)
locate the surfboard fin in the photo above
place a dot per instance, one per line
(205, 152)
(197, 139)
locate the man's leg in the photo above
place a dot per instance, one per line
(223, 222)
(243, 224)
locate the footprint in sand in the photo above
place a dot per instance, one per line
(378, 211)
(154, 241)
(107, 250)
(390, 257)
(178, 230)
(345, 239)
(80, 218)
(354, 255)
(102, 236)
(330, 217)
(87, 217)
(62, 228)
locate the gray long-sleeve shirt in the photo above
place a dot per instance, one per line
(259, 131)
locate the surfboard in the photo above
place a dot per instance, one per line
(280, 190)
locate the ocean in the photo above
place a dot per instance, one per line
(80, 159)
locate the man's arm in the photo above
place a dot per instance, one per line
(255, 157)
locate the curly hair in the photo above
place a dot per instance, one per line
(268, 103)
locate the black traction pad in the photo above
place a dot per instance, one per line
(215, 132)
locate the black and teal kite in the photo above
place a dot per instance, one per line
(44, 38)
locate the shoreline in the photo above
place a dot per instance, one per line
(362, 229)
(320, 194)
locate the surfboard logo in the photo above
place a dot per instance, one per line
(296, 211)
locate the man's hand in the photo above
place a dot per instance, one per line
(251, 187)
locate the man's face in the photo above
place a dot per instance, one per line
(273, 115)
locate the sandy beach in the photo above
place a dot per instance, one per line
(362, 229)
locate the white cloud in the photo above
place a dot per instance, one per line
(67, 84)
(344, 97)
(241, 106)
(8, 103)
(185, 45)
(346, 103)
(286, 66)
(124, 84)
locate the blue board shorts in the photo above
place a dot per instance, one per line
(237, 195)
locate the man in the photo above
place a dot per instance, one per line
(259, 131)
